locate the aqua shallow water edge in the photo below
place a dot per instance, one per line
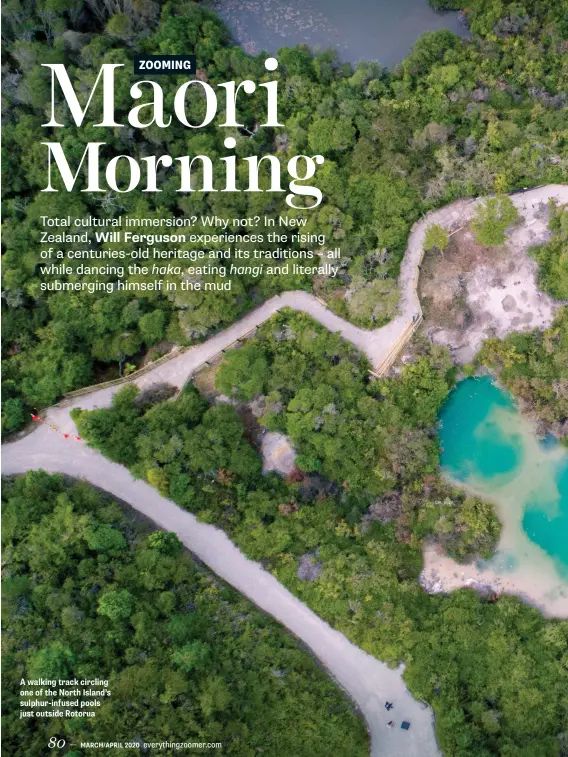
(489, 447)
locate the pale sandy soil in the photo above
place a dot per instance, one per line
(278, 454)
(535, 581)
(473, 293)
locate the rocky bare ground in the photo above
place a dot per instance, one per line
(471, 293)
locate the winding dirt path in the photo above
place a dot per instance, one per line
(368, 681)
(376, 344)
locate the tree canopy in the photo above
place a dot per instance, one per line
(437, 237)
(186, 657)
(492, 219)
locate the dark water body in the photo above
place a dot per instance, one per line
(488, 446)
(382, 30)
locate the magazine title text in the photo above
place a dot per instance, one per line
(197, 173)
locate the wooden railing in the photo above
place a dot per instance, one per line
(378, 371)
(131, 376)
(164, 359)
(210, 360)
(383, 367)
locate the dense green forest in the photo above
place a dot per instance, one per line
(457, 117)
(493, 671)
(553, 256)
(89, 591)
(372, 439)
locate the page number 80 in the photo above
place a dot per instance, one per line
(55, 743)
